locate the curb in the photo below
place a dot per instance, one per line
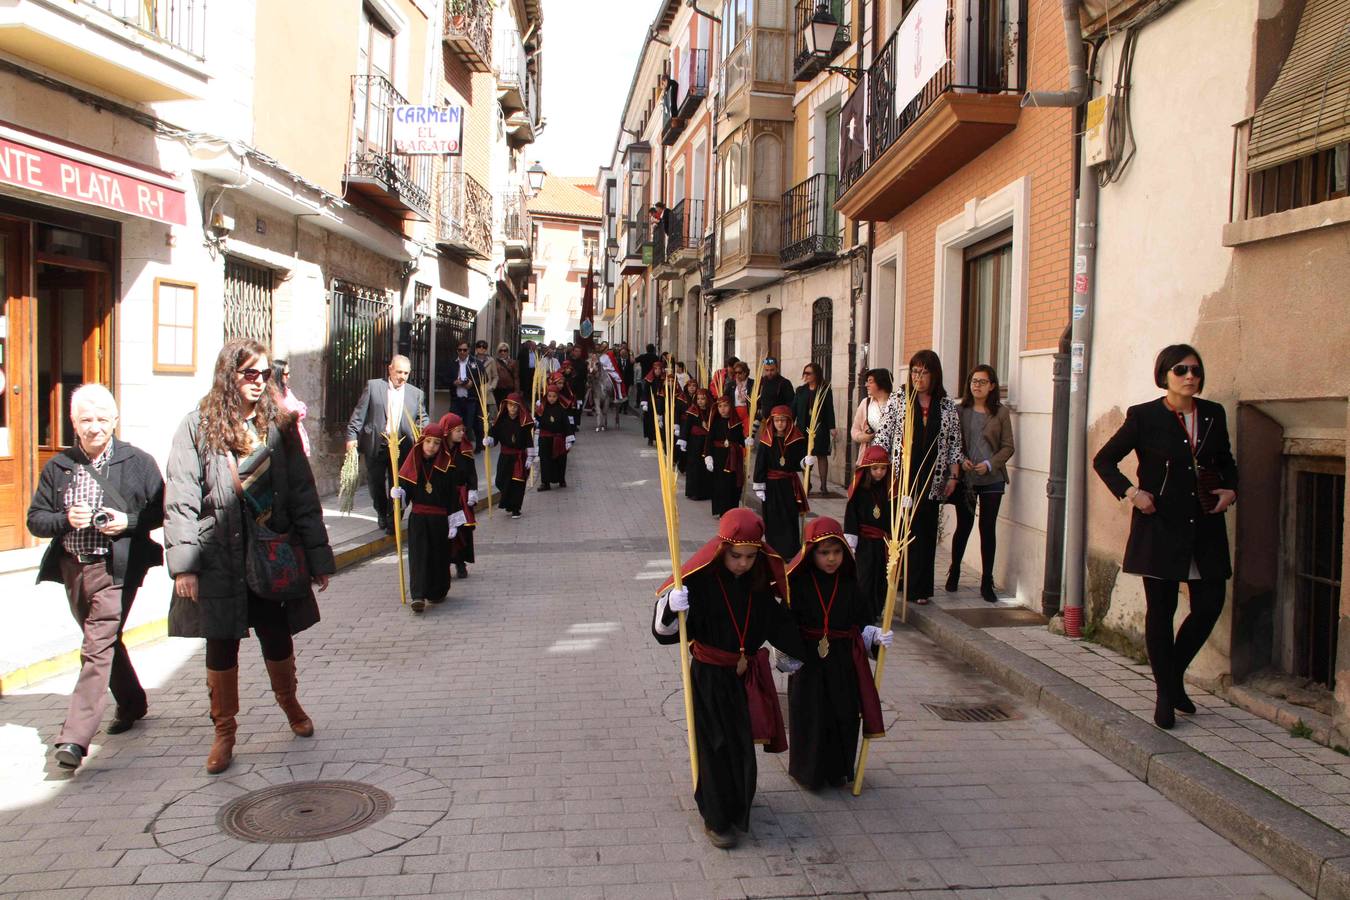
(1296, 845)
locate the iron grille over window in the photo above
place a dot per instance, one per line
(248, 302)
(822, 335)
(454, 323)
(728, 340)
(419, 336)
(361, 329)
(1320, 532)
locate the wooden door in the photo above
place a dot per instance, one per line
(15, 457)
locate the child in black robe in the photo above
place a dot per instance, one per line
(867, 525)
(832, 689)
(681, 409)
(653, 398)
(694, 429)
(427, 484)
(466, 480)
(513, 431)
(778, 460)
(724, 457)
(730, 592)
(557, 433)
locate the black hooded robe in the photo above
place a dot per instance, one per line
(782, 517)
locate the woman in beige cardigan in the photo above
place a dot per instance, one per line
(986, 430)
(867, 418)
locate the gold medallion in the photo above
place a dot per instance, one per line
(782, 461)
(742, 664)
(823, 648)
(428, 487)
(876, 512)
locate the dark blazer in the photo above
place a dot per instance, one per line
(801, 409)
(525, 371)
(476, 376)
(371, 414)
(136, 477)
(1162, 545)
(776, 391)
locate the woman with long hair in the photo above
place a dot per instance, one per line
(986, 429)
(934, 460)
(237, 462)
(1186, 479)
(281, 381)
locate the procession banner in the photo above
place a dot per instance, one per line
(920, 49)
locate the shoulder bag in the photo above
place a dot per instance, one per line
(274, 567)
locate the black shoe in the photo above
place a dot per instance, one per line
(1181, 703)
(418, 605)
(69, 756)
(1163, 716)
(123, 721)
(987, 590)
(722, 840)
(953, 579)
(515, 515)
(545, 487)
(562, 483)
(461, 570)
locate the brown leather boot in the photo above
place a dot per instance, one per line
(282, 673)
(223, 689)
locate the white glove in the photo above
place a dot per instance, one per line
(787, 664)
(678, 599)
(677, 431)
(398, 493)
(660, 422)
(453, 531)
(570, 441)
(644, 405)
(758, 488)
(681, 446)
(852, 541)
(871, 635)
(708, 461)
(532, 454)
(489, 441)
(458, 519)
(808, 461)
(473, 497)
(749, 442)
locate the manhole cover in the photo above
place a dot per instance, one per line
(304, 811)
(991, 712)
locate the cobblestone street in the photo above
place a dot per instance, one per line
(529, 736)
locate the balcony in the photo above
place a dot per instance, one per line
(141, 51)
(684, 235)
(468, 33)
(756, 161)
(805, 64)
(637, 247)
(515, 231)
(510, 65)
(707, 264)
(756, 79)
(685, 94)
(971, 102)
(392, 181)
(811, 229)
(465, 225)
(522, 126)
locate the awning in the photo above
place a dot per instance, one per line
(1308, 108)
(42, 164)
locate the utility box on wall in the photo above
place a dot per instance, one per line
(1096, 147)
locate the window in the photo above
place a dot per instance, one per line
(590, 245)
(986, 311)
(361, 330)
(175, 337)
(248, 302)
(822, 336)
(1318, 523)
(728, 340)
(1310, 179)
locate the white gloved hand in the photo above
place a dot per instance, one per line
(489, 441)
(808, 461)
(852, 541)
(871, 635)
(644, 406)
(458, 519)
(678, 599)
(681, 446)
(677, 431)
(787, 664)
(532, 454)
(708, 461)
(453, 531)
(758, 488)
(570, 441)
(398, 493)
(749, 442)
(473, 497)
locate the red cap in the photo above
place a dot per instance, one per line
(823, 529)
(739, 527)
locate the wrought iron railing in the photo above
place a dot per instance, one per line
(693, 81)
(470, 22)
(805, 64)
(181, 23)
(707, 263)
(409, 178)
(466, 215)
(418, 344)
(810, 224)
(986, 53)
(516, 218)
(686, 226)
(361, 331)
(509, 60)
(247, 301)
(454, 323)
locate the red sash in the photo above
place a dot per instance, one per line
(469, 519)
(426, 509)
(559, 442)
(797, 490)
(761, 697)
(518, 471)
(868, 700)
(872, 532)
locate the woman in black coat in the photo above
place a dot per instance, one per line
(237, 459)
(1186, 480)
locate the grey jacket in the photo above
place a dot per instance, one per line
(367, 424)
(204, 532)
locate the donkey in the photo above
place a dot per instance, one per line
(601, 389)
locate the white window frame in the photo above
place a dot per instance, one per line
(889, 252)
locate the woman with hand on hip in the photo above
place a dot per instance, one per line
(986, 429)
(1186, 480)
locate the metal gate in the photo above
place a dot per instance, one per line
(361, 330)
(248, 302)
(822, 335)
(419, 337)
(454, 323)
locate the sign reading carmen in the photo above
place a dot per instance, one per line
(50, 173)
(428, 130)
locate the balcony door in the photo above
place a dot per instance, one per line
(13, 461)
(831, 218)
(374, 67)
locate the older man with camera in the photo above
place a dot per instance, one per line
(98, 501)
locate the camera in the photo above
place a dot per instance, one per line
(101, 519)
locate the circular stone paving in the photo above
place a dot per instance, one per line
(301, 816)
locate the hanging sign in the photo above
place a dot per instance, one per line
(920, 49)
(428, 130)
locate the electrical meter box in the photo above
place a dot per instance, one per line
(1095, 146)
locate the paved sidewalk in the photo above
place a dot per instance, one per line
(530, 734)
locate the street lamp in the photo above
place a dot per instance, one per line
(821, 32)
(612, 250)
(536, 175)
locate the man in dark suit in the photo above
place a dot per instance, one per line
(386, 404)
(526, 361)
(466, 375)
(774, 390)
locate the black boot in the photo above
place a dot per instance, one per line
(1163, 716)
(1180, 702)
(987, 589)
(953, 578)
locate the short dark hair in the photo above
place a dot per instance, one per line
(993, 402)
(651, 348)
(930, 361)
(882, 377)
(481, 344)
(1171, 355)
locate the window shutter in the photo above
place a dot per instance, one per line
(1308, 108)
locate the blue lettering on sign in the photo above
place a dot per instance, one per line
(428, 115)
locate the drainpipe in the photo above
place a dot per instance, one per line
(1084, 288)
(1053, 580)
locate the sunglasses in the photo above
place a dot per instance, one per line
(253, 375)
(463, 349)
(1181, 369)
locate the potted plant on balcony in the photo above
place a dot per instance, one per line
(460, 10)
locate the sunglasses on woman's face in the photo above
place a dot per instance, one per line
(1181, 369)
(253, 375)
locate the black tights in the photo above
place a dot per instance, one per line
(1168, 656)
(965, 523)
(268, 621)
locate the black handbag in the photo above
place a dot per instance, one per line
(275, 568)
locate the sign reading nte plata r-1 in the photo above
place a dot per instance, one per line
(428, 130)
